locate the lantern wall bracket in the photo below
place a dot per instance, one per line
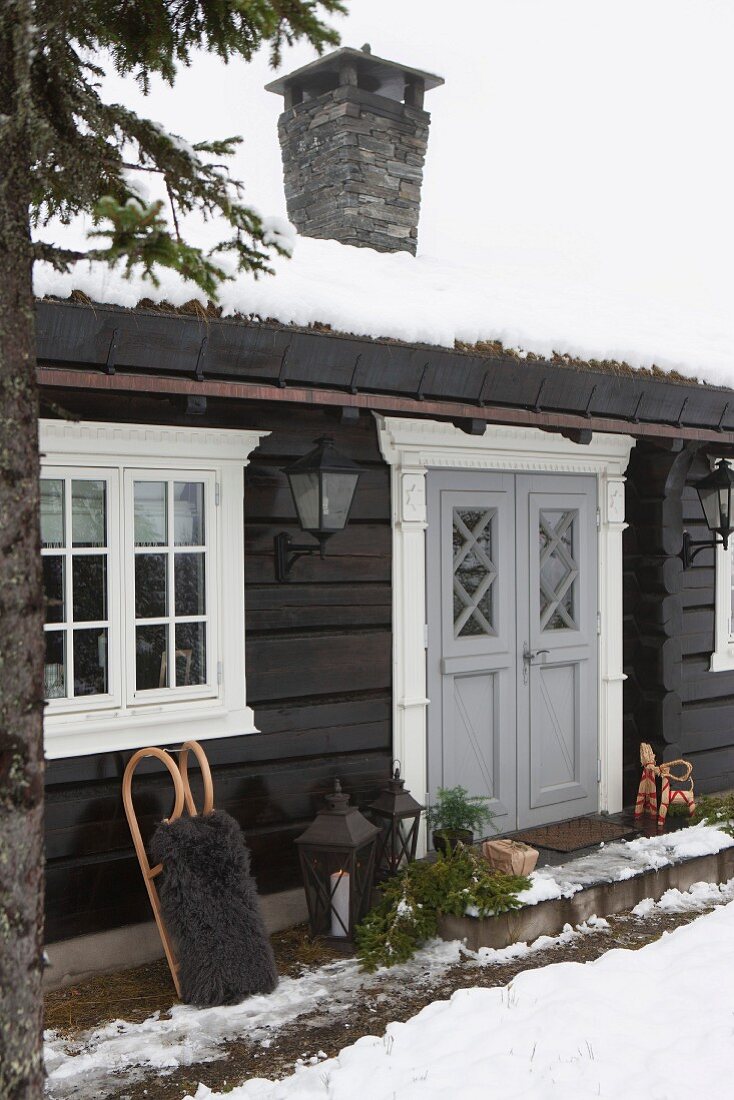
(688, 553)
(287, 553)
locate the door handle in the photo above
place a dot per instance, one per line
(528, 656)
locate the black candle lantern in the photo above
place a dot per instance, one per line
(337, 854)
(399, 816)
(323, 484)
(715, 493)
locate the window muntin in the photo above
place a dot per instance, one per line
(77, 537)
(170, 565)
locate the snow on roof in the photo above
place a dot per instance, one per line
(577, 193)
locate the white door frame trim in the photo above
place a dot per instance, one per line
(411, 448)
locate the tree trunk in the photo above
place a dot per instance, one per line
(21, 602)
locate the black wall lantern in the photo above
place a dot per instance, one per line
(337, 854)
(399, 816)
(714, 492)
(323, 484)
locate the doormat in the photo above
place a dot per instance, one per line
(569, 836)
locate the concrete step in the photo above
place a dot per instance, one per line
(602, 897)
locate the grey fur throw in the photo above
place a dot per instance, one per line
(211, 909)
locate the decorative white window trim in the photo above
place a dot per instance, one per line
(722, 658)
(412, 447)
(222, 455)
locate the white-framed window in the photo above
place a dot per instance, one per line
(722, 659)
(142, 532)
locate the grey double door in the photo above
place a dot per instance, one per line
(512, 642)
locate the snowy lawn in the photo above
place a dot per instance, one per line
(321, 1009)
(633, 1024)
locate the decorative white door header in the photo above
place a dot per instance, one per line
(412, 447)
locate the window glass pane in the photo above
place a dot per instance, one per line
(305, 489)
(474, 572)
(151, 601)
(88, 520)
(89, 587)
(151, 665)
(53, 587)
(90, 662)
(338, 493)
(54, 678)
(52, 512)
(558, 570)
(190, 653)
(151, 526)
(189, 584)
(188, 513)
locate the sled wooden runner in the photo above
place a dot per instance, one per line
(183, 798)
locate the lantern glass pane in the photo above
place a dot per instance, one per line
(305, 489)
(710, 504)
(338, 493)
(725, 508)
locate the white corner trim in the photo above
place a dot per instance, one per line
(722, 658)
(411, 448)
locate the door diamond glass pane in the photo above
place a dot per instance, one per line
(474, 572)
(559, 569)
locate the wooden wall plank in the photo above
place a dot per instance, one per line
(287, 667)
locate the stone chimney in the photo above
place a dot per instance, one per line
(353, 136)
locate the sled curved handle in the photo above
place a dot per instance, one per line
(149, 873)
(206, 775)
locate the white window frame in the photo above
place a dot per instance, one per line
(722, 658)
(119, 720)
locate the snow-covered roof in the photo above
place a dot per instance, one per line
(577, 193)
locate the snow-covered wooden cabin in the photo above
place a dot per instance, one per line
(506, 607)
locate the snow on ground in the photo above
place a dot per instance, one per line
(702, 895)
(637, 1024)
(559, 211)
(80, 1067)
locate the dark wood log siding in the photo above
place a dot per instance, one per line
(671, 697)
(318, 677)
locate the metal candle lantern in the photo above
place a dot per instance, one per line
(337, 854)
(399, 815)
(323, 484)
(715, 493)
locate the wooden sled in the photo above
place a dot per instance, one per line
(183, 798)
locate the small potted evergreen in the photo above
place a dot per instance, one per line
(455, 817)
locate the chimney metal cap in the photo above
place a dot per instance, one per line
(367, 64)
